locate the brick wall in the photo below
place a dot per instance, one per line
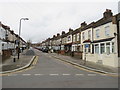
(6, 54)
(77, 55)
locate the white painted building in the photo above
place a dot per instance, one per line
(103, 47)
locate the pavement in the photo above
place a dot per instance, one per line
(50, 72)
(87, 65)
(25, 58)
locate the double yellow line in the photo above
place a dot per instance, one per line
(107, 74)
(25, 69)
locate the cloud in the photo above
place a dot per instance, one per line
(49, 18)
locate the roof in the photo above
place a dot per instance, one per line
(88, 26)
(76, 31)
(102, 21)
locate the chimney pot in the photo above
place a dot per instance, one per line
(108, 13)
(63, 32)
(83, 24)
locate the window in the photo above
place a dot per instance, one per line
(107, 31)
(113, 48)
(69, 38)
(78, 37)
(97, 48)
(102, 48)
(73, 38)
(97, 33)
(108, 48)
(89, 34)
(81, 48)
(87, 48)
(92, 49)
(78, 48)
(83, 36)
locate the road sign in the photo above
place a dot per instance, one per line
(86, 45)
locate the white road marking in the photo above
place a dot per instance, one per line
(38, 74)
(53, 74)
(79, 74)
(91, 74)
(12, 74)
(26, 74)
(103, 75)
(65, 74)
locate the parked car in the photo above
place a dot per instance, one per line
(45, 50)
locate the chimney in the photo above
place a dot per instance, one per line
(70, 30)
(114, 20)
(83, 24)
(107, 13)
(12, 32)
(63, 32)
(54, 36)
(58, 34)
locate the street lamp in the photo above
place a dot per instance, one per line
(19, 35)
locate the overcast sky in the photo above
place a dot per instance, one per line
(49, 17)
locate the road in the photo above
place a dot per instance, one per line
(52, 73)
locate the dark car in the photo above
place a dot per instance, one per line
(45, 50)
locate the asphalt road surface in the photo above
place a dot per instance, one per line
(52, 73)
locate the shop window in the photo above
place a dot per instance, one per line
(97, 48)
(107, 48)
(102, 48)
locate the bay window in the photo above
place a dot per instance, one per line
(107, 48)
(102, 46)
(97, 48)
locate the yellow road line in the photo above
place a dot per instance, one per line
(86, 69)
(28, 68)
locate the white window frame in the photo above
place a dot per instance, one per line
(83, 36)
(89, 34)
(107, 31)
(95, 48)
(78, 36)
(102, 47)
(97, 33)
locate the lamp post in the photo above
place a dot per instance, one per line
(19, 35)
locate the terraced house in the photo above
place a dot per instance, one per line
(76, 43)
(8, 42)
(63, 42)
(97, 42)
(58, 43)
(68, 44)
(104, 43)
(86, 40)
